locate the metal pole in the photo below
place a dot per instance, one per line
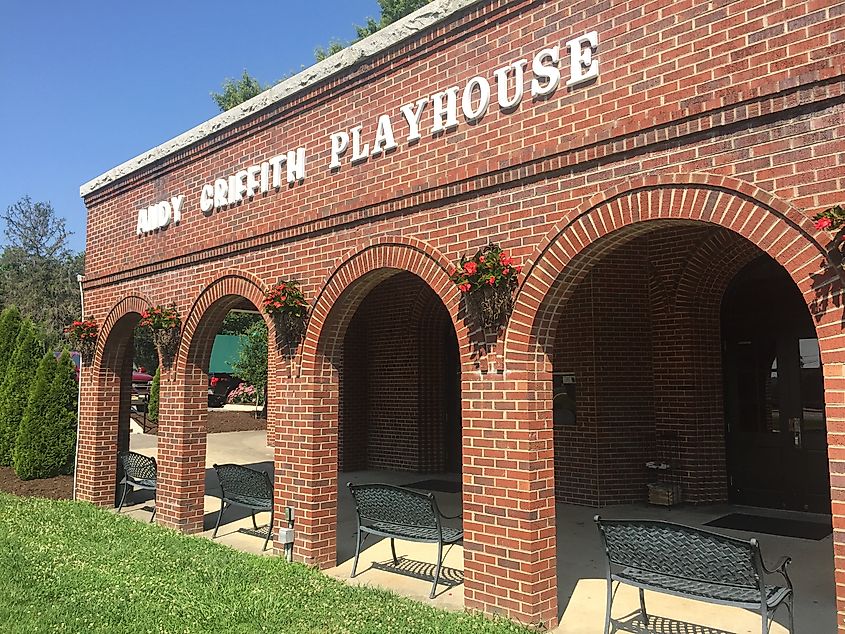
(79, 278)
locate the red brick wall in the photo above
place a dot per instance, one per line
(391, 387)
(641, 332)
(730, 114)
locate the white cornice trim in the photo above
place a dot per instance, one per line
(410, 25)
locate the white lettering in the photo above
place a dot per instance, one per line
(142, 222)
(251, 180)
(549, 72)
(296, 165)
(221, 192)
(265, 177)
(276, 165)
(483, 98)
(176, 202)
(583, 66)
(445, 114)
(358, 153)
(207, 198)
(413, 117)
(340, 141)
(502, 84)
(384, 136)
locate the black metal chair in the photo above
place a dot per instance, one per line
(247, 488)
(139, 472)
(399, 513)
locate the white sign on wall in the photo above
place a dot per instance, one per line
(435, 115)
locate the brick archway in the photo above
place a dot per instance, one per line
(106, 391)
(183, 410)
(615, 217)
(309, 424)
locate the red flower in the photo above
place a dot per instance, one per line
(823, 223)
(491, 280)
(506, 271)
(214, 381)
(505, 259)
(518, 268)
(481, 258)
(470, 268)
(465, 287)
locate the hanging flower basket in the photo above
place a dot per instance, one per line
(487, 281)
(82, 336)
(164, 322)
(833, 219)
(286, 304)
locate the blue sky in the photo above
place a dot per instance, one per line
(88, 85)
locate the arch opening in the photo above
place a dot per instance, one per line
(683, 359)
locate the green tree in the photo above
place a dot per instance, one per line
(155, 388)
(14, 392)
(37, 270)
(61, 419)
(239, 322)
(236, 91)
(35, 434)
(251, 365)
(10, 325)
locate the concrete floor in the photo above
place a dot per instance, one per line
(580, 565)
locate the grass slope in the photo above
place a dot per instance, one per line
(71, 567)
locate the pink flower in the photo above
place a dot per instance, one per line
(823, 223)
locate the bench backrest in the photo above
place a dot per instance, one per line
(237, 481)
(394, 505)
(682, 551)
(137, 466)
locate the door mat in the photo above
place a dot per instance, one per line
(446, 486)
(785, 527)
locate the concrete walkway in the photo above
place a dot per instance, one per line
(580, 563)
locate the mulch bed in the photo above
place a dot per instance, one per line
(58, 488)
(224, 420)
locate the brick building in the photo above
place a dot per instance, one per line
(654, 166)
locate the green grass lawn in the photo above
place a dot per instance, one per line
(70, 567)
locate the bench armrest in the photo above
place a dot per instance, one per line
(780, 568)
(451, 517)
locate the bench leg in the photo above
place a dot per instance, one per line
(393, 550)
(609, 605)
(254, 525)
(155, 508)
(123, 497)
(358, 541)
(269, 528)
(437, 570)
(642, 608)
(219, 517)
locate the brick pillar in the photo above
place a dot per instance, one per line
(98, 430)
(305, 460)
(834, 393)
(508, 496)
(181, 450)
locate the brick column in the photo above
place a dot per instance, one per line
(98, 431)
(834, 394)
(508, 496)
(181, 450)
(305, 460)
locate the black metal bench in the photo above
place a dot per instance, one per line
(247, 488)
(689, 562)
(139, 472)
(398, 513)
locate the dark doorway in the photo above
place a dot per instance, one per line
(452, 393)
(774, 393)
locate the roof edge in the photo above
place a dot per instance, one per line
(410, 25)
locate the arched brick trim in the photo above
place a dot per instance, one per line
(183, 409)
(106, 397)
(783, 232)
(231, 289)
(360, 271)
